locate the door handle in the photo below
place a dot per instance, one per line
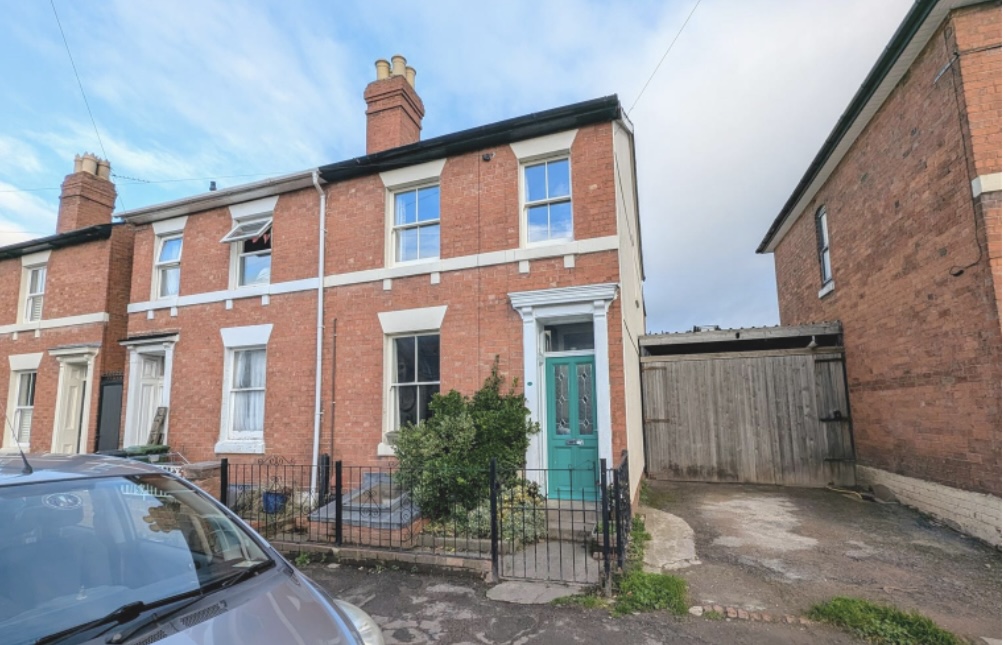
(574, 442)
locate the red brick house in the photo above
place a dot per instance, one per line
(314, 313)
(62, 313)
(895, 230)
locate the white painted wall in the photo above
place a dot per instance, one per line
(633, 320)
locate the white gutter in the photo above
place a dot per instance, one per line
(322, 203)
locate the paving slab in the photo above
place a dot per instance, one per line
(531, 593)
(672, 546)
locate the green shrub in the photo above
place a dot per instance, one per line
(444, 461)
(881, 624)
(522, 517)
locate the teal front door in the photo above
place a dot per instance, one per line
(572, 428)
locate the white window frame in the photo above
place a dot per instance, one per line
(31, 296)
(525, 205)
(237, 253)
(19, 410)
(395, 386)
(423, 321)
(19, 364)
(823, 251)
(396, 228)
(236, 340)
(161, 266)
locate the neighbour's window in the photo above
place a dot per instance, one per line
(24, 405)
(416, 377)
(247, 393)
(823, 246)
(35, 293)
(417, 224)
(548, 201)
(253, 241)
(168, 267)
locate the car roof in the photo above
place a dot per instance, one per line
(46, 468)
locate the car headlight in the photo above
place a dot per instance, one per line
(368, 630)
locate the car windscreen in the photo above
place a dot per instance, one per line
(73, 551)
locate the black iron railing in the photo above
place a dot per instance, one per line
(545, 524)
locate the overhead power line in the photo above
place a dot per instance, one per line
(87, 104)
(679, 31)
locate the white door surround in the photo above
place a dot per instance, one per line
(141, 351)
(567, 304)
(71, 426)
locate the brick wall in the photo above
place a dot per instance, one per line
(77, 283)
(480, 212)
(923, 346)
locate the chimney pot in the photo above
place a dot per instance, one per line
(383, 69)
(410, 76)
(398, 65)
(89, 164)
(88, 195)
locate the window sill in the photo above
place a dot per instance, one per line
(827, 288)
(545, 243)
(243, 447)
(385, 449)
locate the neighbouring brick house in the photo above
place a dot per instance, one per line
(313, 313)
(895, 230)
(62, 312)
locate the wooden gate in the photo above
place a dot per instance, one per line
(766, 417)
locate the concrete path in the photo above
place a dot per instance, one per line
(532, 593)
(672, 546)
(781, 550)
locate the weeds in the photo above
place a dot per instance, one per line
(714, 615)
(586, 601)
(302, 560)
(881, 624)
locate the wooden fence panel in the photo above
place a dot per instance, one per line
(779, 418)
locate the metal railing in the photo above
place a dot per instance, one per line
(543, 524)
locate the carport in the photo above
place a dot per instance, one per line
(766, 406)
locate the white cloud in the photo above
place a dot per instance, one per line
(24, 215)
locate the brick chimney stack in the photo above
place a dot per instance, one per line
(393, 110)
(88, 196)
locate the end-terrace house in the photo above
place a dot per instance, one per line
(895, 230)
(62, 312)
(315, 313)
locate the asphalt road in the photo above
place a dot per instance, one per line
(419, 608)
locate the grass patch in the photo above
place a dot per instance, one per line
(881, 624)
(586, 601)
(641, 591)
(714, 615)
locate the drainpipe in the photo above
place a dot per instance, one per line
(322, 202)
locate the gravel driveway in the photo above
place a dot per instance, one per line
(780, 550)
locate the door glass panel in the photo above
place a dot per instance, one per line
(584, 378)
(562, 424)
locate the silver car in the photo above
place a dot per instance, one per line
(105, 550)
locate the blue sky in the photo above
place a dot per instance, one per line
(236, 90)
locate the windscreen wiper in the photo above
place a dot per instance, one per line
(219, 583)
(123, 614)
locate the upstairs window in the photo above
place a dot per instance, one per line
(823, 247)
(547, 201)
(35, 292)
(252, 239)
(24, 405)
(168, 266)
(417, 224)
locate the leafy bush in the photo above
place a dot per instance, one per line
(881, 624)
(444, 461)
(522, 517)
